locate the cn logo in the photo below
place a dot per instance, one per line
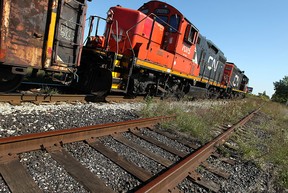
(236, 81)
(214, 63)
(119, 37)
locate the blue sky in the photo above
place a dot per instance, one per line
(252, 33)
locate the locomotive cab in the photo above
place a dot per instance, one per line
(244, 83)
(234, 79)
(232, 76)
(180, 35)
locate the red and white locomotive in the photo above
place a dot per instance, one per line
(156, 50)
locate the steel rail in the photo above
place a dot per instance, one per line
(17, 98)
(120, 98)
(10, 146)
(168, 180)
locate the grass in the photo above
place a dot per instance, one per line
(197, 121)
(49, 90)
(277, 143)
(267, 143)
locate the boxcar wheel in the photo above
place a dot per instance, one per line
(8, 80)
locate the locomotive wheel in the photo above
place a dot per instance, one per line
(8, 80)
(212, 93)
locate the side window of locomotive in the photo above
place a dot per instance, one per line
(174, 22)
(190, 33)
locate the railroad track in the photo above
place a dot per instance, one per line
(18, 98)
(167, 179)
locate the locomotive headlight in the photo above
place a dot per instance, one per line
(110, 14)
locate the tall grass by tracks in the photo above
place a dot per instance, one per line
(266, 143)
(197, 118)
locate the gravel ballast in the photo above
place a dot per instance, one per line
(50, 176)
(30, 118)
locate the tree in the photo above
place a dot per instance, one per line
(263, 95)
(281, 91)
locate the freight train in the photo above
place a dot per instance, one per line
(154, 51)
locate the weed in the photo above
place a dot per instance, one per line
(197, 121)
(267, 142)
(49, 90)
(223, 151)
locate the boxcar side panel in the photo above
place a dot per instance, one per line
(23, 26)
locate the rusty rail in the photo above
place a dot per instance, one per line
(167, 181)
(17, 98)
(11, 146)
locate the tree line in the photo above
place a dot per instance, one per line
(281, 91)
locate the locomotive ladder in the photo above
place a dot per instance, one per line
(61, 21)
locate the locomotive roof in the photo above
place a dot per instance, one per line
(231, 63)
(171, 7)
(211, 43)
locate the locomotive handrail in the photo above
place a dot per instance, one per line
(117, 44)
(91, 18)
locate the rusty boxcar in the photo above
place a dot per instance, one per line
(39, 35)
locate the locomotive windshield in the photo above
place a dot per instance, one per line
(174, 22)
(162, 19)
